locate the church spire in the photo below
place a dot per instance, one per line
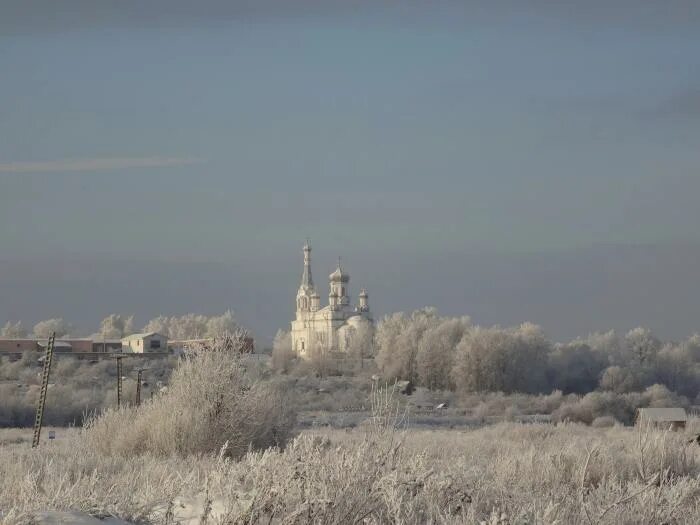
(307, 280)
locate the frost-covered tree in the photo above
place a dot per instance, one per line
(116, 326)
(317, 357)
(160, 324)
(617, 379)
(606, 343)
(189, 326)
(575, 367)
(194, 326)
(505, 360)
(398, 339)
(436, 350)
(480, 359)
(388, 352)
(14, 330)
(222, 325)
(282, 352)
(676, 369)
(360, 343)
(44, 329)
(692, 347)
(659, 396)
(642, 346)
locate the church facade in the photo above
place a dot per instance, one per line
(336, 328)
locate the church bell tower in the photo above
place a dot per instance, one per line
(306, 296)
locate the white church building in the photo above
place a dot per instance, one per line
(332, 328)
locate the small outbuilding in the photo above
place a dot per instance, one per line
(663, 418)
(145, 343)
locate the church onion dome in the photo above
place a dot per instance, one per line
(315, 295)
(339, 276)
(356, 321)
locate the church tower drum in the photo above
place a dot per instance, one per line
(339, 280)
(363, 305)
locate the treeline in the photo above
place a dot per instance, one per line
(115, 326)
(453, 354)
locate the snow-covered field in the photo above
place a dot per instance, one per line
(505, 473)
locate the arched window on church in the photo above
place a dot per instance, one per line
(302, 346)
(342, 291)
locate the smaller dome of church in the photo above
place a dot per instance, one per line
(356, 321)
(364, 294)
(339, 276)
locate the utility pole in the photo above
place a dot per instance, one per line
(119, 381)
(39, 419)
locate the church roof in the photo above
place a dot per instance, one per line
(339, 275)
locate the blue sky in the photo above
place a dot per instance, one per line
(228, 132)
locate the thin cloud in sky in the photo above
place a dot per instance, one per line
(106, 164)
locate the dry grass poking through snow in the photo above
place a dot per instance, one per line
(507, 473)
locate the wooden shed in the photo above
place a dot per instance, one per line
(663, 418)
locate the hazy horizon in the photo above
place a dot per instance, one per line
(569, 293)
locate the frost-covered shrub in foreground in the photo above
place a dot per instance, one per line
(212, 402)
